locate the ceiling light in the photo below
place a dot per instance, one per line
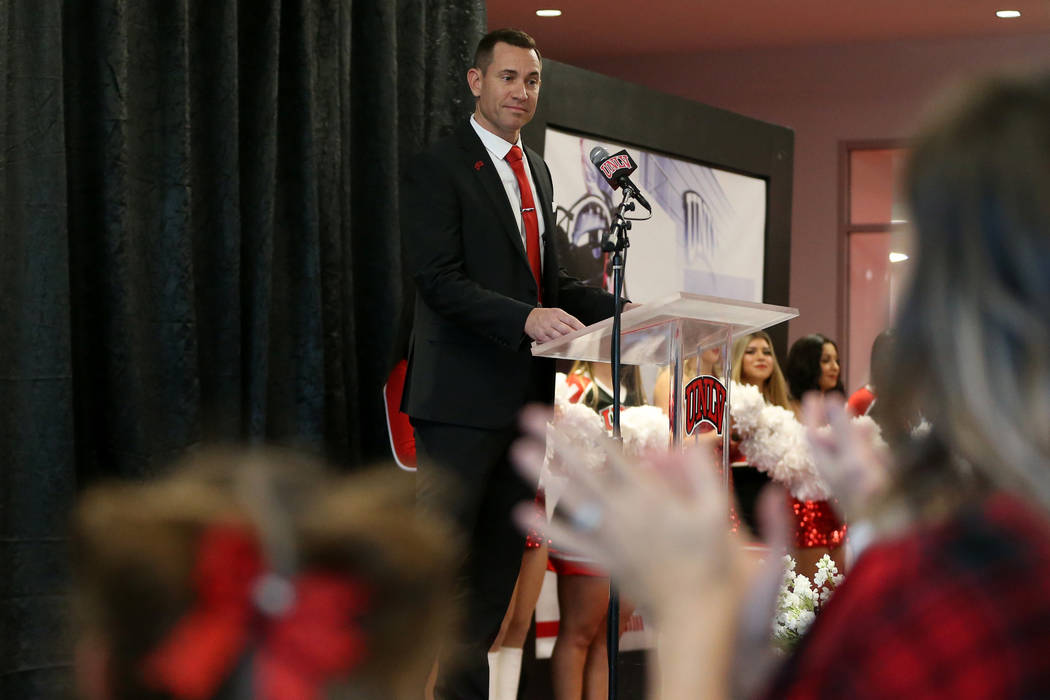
(1006, 14)
(548, 13)
(898, 257)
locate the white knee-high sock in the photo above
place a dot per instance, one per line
(509, 673)
(494, 664)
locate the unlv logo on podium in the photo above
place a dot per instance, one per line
(705, 401)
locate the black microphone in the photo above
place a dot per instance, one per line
(616, 170)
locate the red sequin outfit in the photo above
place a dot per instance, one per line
(816, 524)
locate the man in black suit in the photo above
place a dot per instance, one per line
(478, 239)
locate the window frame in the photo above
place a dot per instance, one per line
(846, 228)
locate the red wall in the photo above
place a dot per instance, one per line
(827, 95)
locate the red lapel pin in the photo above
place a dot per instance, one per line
(478, 164)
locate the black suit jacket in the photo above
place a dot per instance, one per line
(469, 362)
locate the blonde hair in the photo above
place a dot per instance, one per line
(774, 389)
(135, 547)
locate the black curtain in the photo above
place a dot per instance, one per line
(199, 243)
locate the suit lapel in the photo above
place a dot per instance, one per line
(493, 187)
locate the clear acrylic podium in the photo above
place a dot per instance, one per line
(667, 332)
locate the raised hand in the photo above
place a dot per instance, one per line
(644, 522)
(849, 456)
(660, 528)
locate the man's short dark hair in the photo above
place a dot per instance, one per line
(514, 37)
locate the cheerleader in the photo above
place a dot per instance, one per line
(813, 365)
(579, 662)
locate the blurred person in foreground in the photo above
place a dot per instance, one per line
(950, 597)
(256, 575)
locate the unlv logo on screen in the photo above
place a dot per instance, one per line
(705, 401)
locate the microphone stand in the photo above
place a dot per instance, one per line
(615, 241)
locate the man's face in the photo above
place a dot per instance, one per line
(507, 91)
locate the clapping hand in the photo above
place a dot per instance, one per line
(845, 455)
(660, 528)
(644, 522)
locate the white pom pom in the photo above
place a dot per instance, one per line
(561, 388)
(581, 427)
(775, 442)
(644, 429)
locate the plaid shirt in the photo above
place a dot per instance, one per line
(956, 610)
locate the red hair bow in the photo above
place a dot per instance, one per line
(306, 629)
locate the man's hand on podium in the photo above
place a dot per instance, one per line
(545, 324)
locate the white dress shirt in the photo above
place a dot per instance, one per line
(498, 150)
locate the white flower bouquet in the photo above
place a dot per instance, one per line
(800, 600)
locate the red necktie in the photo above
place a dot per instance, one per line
(528, 213)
